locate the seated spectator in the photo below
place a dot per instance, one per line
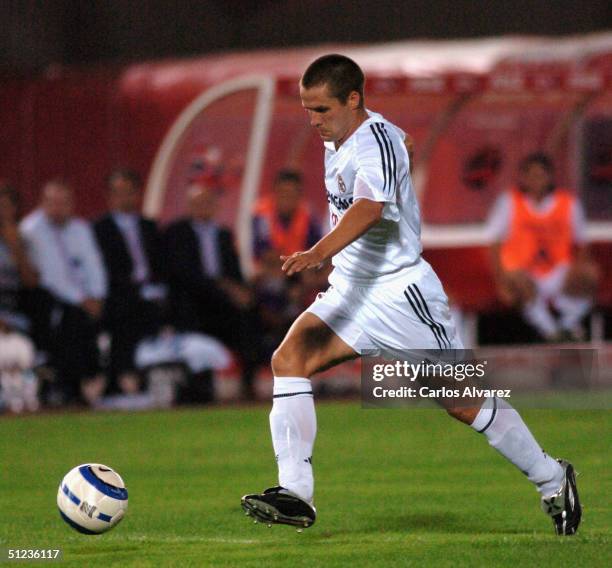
(282, 222)
(132, 254)
(65, 254)
(282, 225)
(207, 290)
(540, 252)
(18, 385)
(16, 271)
(278, 299)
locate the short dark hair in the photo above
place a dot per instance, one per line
(341, 74)
(287, 174)
(537, 158)
(124, 173)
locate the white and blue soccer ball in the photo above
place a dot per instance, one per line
(92, 498)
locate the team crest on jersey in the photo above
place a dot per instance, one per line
(341, 184)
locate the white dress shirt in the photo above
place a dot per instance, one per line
(66, 256)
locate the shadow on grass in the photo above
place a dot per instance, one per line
(434, 522)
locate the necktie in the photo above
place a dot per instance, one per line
(210, 259)
(140, 271)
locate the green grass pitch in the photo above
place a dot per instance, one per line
(394, 488)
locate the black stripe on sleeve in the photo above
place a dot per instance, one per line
(430, 317)
(388, 153)
(384, 130)
(382, 156)
(418, 313)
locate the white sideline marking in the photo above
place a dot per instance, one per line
(175, 539)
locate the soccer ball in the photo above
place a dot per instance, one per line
(92, 498)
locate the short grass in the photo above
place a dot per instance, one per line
(394, 488)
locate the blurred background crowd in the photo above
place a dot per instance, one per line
(90, 311)
(90, 306)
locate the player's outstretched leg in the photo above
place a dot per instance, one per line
(554, 479)
(294, 426)
(310, 346)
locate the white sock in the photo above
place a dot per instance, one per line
(538, 314)
(572, 309)
(293, 424)
(508, 434)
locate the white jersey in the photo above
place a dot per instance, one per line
(373, 164)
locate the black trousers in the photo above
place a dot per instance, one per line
(237, 328)
(129, 319)
(69, 336)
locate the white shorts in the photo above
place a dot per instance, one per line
(407, 313)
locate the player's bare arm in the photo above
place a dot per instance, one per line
(358, 219)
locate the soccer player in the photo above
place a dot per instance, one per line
(382, 295)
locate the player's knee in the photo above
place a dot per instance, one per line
(465, 415)
(287, 363)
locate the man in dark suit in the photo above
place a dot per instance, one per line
(208, 292)
(132, 251)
